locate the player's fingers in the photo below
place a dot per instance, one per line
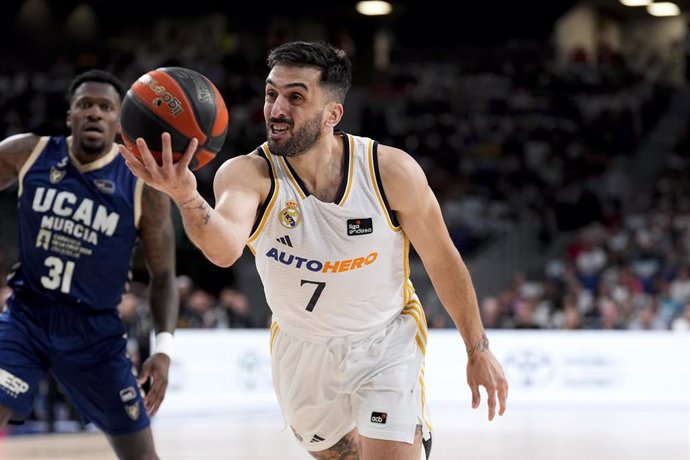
(146, 155)
(188, 154)
(502, 396)
(491, 401)
(125, 152)
(143, 375)
(166, 152)
(476, 397)
(150, 399)
(133, 163)
(156, 396)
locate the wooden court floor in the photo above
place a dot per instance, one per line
(459, 433)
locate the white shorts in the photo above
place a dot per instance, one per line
(375, 383)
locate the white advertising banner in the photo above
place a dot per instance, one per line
(561, 368)
(216, 371)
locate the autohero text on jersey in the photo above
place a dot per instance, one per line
(318, 266)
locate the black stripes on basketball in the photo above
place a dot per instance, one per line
(199, 91)
(179, 101)
(137, 118)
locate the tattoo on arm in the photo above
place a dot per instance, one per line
(184, 203)
(480, 346)
(202, 206)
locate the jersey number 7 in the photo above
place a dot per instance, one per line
(317, 293)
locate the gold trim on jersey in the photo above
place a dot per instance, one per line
(96, 164)
(372, 174)
(351, 170)
(271, 203)
(40, 145)
(138, 198)
(415, 310)
(407, 295)
(274, 332)
(408, 291)
(423, 387)
(289, 175)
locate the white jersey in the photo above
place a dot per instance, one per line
(332, 269)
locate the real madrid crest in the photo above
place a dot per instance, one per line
(290, 216)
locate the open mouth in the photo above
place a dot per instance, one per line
(278, 130)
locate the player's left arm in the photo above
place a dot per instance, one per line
(158, 243)
(419, 214)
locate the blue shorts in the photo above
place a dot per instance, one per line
(87, 353)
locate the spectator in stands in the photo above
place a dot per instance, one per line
(201, 312)
(233, 310)
(682, 323)
(648, 319)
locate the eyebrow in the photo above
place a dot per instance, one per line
(92, 98)
(289, 85)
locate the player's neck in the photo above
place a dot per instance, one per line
(321, 168)
(84, 158)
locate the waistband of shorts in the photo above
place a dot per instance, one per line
(323, 339)
(37, 302)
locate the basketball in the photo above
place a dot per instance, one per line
(181, 102)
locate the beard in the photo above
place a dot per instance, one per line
(301, 141)
(92, 148)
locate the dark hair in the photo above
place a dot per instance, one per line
(335, 66)
(97, 76)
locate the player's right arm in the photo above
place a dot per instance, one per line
(240, 186)
(14, 152)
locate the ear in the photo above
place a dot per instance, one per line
(334, 114)
(69, 119)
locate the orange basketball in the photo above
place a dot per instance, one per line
(181, 102)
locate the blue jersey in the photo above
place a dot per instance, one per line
(78, 227)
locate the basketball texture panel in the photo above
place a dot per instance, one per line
(181, 102)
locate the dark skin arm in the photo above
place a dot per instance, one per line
(158, 239)
(14, 151)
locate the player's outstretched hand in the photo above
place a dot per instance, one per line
(173, 178)
(483, 369)
(155, 370)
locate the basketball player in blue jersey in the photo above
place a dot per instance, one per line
(329, 217)
(81, 213)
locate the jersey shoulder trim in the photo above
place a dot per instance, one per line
(376, 182)
(262, 215)
(349, 167)
(40, 145)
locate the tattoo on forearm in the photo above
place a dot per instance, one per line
(186, 202)
(202, 206)
(480, 346)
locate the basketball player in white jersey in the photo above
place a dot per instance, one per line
(329, 218)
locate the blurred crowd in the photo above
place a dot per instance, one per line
(628, 271)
